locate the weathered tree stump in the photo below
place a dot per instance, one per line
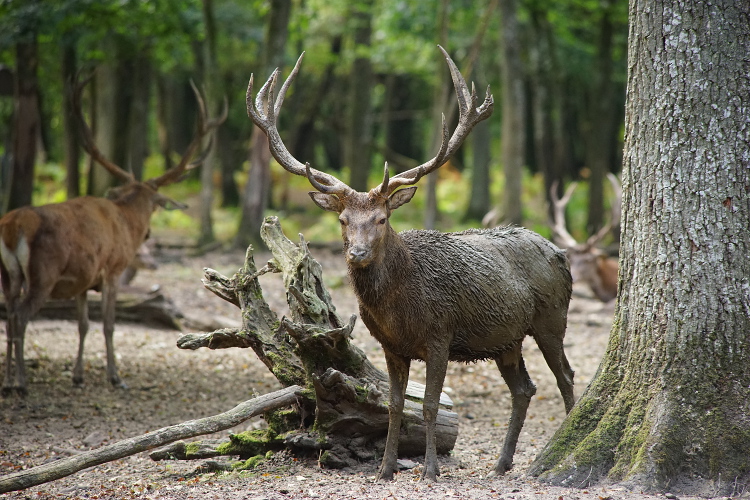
(346, 393)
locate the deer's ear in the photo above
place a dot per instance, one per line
(327, 201)
(401, 197)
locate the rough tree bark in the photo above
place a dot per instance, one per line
(668, 408)
(347, 394)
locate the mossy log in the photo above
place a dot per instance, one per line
(347, 395)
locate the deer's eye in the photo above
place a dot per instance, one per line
(382, 221)
(342, 222)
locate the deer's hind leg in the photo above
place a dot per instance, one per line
(522, 389)
(549, 333)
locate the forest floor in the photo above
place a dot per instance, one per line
(168, 386)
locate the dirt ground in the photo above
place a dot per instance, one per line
(168, 386)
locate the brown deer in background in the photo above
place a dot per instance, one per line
(439, 297)
(63, 250)
(588, 264)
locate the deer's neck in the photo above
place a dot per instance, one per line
(390, 271)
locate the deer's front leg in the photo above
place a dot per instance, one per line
(398, 375)
(82, 310)
(437, 364)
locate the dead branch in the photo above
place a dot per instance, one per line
(70, 465)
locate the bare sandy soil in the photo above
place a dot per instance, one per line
(168, 386)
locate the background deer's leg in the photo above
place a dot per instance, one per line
(109, 300)
(513, 370)
(10, 375)
(19, 314)
(398, 375)
(436, 368)
(82, 310)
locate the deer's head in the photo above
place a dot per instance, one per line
(132, 190)
(364, 217)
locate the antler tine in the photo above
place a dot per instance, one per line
(203, 127)
(469, 116)
(263, 111)
(560, 230)
(88, 137)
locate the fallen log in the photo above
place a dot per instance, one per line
(151, 308)
(154, 439)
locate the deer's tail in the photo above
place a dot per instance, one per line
(15, 262)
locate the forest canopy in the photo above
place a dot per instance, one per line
(371, 71)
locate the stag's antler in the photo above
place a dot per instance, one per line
(170, 176)
(264, 112)
(87, 136)
(469, 116)
(203, 127)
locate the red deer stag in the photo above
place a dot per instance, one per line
(588, 264)
(439, 297)
(63, 250)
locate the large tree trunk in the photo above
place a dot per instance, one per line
(513, 136)
(668, 408)
(312, 347)
(26, 123)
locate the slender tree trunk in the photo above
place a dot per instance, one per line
(600, 120)
(542, 105)
(513, 136)
(258, 186)
(479, 202)
(668, 408)
(70, 126)
(231, 158)
(359, 117)
(113, 101)
(439, 99)
(26, 127)
(139, 122)
(210, 82)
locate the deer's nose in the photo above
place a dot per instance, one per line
(357, 255)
